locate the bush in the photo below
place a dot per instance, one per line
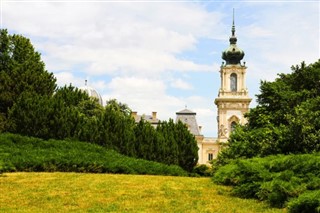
(308, 202)
(245, 176)
(277, 192)
(202, 170)
(276, 179)
(37, 155)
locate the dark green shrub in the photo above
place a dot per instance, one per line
(276, 179)
(277, 192)
(245, 176)
(227, 175)
(308, 202)
(202, 170)
(33, 154)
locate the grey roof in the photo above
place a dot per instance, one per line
(186, 112)
(189, 118)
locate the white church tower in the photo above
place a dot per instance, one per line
(233, 100)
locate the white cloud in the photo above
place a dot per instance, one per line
(144, 96)
(65, 78)
(143, 52)
(254, 31)
(121, 38)
(282, 36)
(181, 84)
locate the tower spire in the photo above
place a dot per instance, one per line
(233, 30)
(233, 54)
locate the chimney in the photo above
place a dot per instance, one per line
(154, 115)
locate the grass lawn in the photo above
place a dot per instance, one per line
(79, 192)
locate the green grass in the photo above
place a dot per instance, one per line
(83, 192)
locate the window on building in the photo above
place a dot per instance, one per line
(233, 125)
(210, 156)
(233, 82)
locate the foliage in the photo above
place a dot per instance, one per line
(276, 178)
(21, 70)
(177, 145)
(72, 114)
(308, 202)
(31, 105)
(60, 116)
(20, 153)
(286, 119)
(202, 170)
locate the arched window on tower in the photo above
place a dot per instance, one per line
(233, 125)
(233, 82)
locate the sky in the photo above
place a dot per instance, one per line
(165, 56)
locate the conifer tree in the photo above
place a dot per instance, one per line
(21, 70)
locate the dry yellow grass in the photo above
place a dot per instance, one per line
(74, 192)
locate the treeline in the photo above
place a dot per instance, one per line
(31, 104)
(28, 154)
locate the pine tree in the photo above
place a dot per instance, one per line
(21, 70)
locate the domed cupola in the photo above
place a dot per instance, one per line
(233, 54)
(92, 93)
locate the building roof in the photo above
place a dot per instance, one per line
(186, 112)
(148, 118)
(92, 93)
(152, 119)
(188, 117)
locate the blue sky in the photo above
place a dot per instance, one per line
(164, 55)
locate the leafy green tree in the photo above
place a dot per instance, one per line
(120, 107)
(21, 70)
(286, 119)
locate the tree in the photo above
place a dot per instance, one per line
(146, 138)
(120, 107)
(117, 128)
(21, 70)
(187, 146)
(69, 113)
(286, 119)
(176, 145)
